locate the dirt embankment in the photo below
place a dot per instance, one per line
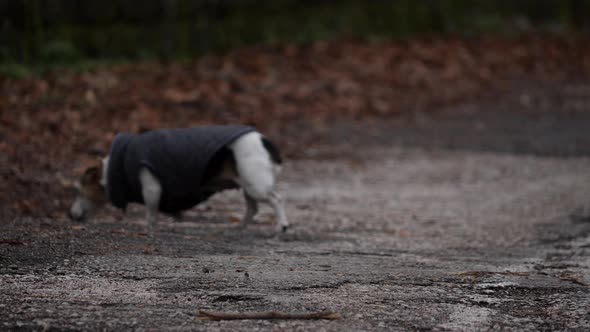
(51, 127)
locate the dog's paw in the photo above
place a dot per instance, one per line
(282, 229)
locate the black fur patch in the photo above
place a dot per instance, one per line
(272, 149)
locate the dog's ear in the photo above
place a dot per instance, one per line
(91, 175)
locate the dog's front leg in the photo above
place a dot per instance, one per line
(151, 191)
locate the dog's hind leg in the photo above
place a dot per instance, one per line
(260, 188)
(251, 210)
(151, 191)
(276, 202)
(257, 174)
(272, 198)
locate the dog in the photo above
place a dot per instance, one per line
(172, 170)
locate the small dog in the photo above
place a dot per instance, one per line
(172, 170)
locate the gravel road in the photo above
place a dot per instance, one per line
(471, 218)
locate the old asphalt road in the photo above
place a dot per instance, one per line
(471, 219)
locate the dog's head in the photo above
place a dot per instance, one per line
(91, 194)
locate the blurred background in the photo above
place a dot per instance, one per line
(59, 32)
(73, 73)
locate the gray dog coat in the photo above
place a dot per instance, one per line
(181, 160)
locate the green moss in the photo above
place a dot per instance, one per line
(58, 51)
(14, 70)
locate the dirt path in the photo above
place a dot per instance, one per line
(460, 221)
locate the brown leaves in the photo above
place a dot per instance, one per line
(291, 93)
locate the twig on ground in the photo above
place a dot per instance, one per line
(208, 315)
(576, 278)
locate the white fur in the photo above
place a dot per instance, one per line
(151, 190)
(105, 171)
(255, 168)
(257, 175)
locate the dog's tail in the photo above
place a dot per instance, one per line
(272, 149)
